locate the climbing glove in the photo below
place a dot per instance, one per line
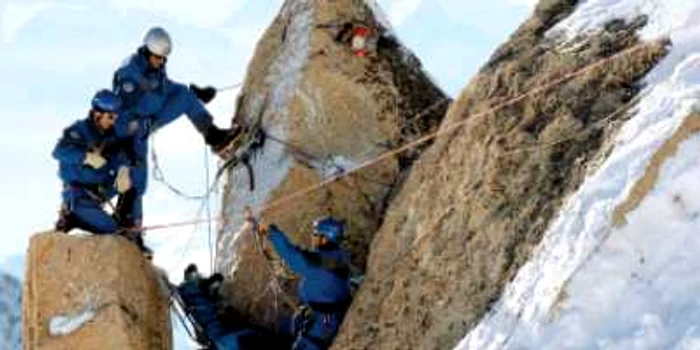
(123, 180)
(205, 94)
(94, 159)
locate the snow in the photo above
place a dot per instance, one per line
(665, 16)
(272, 165)
(590, 285)
(62, 325)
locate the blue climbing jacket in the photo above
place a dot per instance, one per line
(151, 100)
(324, 290)
(79, 138)
(203, 310)
(324, 272)
(141, 88)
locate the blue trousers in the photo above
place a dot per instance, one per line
(316, 330)
(86, 206)
(158, 111)
(205, 314)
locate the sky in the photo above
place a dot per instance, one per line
(55, 54)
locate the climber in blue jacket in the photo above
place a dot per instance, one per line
(151, 100)
(200, 298)
(324, 289)
(92, 168)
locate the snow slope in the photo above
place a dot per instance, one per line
(10, 313)
(591, 285)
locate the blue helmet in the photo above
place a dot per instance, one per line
(330, 228)
(106, 101)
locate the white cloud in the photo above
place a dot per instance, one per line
(212, 15)
(15, 16)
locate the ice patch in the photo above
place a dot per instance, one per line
(62, 325)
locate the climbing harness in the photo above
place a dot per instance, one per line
(243, 149)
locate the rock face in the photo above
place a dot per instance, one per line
(326, 109)
(92, 293)
(10, 317)
(479, 199)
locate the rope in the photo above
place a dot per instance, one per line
(229, 87)
(275, 283)
(443, 130)
(183, 321)
(573, 135)
(159, 176)
(208, 205)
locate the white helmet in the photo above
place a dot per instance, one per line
(158, 42)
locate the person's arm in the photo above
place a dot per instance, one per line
(71, 147)
(290, 253)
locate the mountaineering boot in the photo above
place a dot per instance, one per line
(123, 214)
(66, 221)
(222, 141)
(136, 237)
(138, 240)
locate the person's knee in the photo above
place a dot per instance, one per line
(179, 90)
(94, 219)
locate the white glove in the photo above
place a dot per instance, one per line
(94, 159)
(123, 180)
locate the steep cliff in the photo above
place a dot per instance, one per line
(327, 107)
(480, 198)
(92, 293)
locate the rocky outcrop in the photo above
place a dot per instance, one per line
(10, 317)
(480, 198)
(326, 109)
(93, 292)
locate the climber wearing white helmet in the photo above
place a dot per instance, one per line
(151, 100)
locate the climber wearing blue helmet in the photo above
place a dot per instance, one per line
(151, 100)
(324, 288)
(91, 167)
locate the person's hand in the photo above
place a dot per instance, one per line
(123, 180)
(205, 94)
(94, 159)
(260, 229)
(263, 230)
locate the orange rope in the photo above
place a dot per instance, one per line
(441, 131)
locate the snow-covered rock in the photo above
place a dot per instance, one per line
(478, 202)
(617, 267)
(327, 110)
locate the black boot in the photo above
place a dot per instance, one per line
(220, 139)
(136, 237)
(123, 215)
(205, 94)
(66, 221)
(138, 240)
